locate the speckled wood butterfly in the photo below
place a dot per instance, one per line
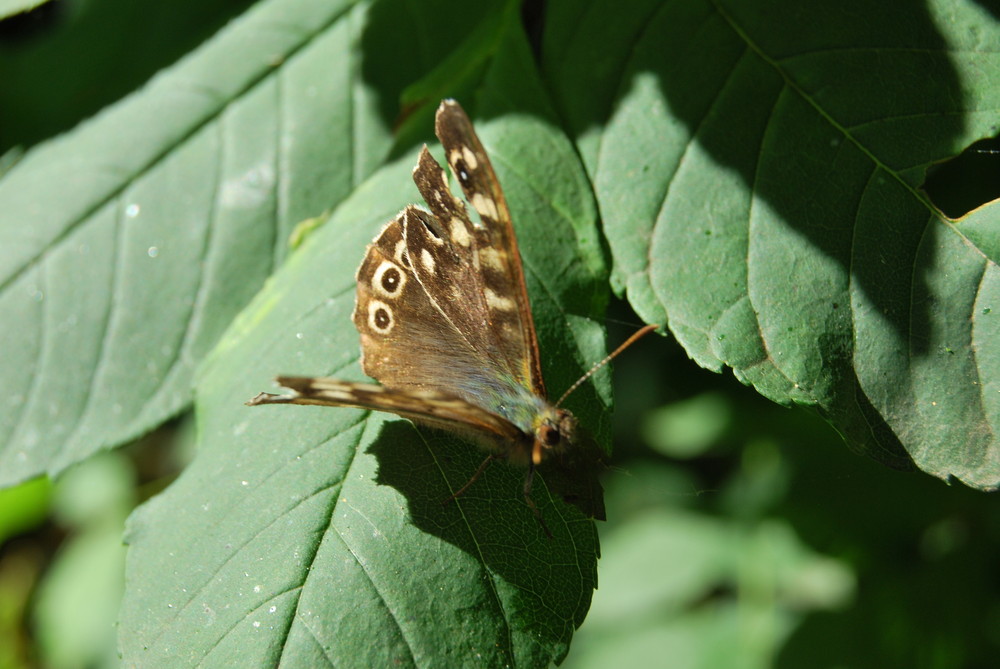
(445, 321)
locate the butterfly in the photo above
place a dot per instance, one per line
(445, 322)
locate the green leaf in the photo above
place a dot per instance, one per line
(758, 181)
(128, 245)
(67, 60)
(688, 428)
(319, 536)
(77, 602)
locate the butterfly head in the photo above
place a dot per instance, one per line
(555, 430)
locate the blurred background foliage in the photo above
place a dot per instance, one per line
(740, 533)
(744, 534)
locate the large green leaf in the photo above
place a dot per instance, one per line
(757, 169)
(64, 61)
(313, 536)
(128, 245)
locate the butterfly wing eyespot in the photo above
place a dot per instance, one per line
(380, 317)
(388, 280)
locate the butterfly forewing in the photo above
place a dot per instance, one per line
(444, 251)
(499, 284)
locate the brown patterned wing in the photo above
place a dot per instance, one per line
(478, 267)
(442, 246)
(406, 342)
(427, 407)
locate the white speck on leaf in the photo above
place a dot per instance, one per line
(250, 189)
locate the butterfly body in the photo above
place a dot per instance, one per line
(444, 318)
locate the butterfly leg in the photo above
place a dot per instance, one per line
(461, 491)
(528, 480)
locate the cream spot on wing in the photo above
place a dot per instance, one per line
(459, 234)
(508, 333)
(486, 207)
(380, 317)
(470, 158)
(427, 260)
(397, 253)
(497, 302)
(388, 280)
(492, 258)
(341, 395)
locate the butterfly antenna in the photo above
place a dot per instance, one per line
(611, 356)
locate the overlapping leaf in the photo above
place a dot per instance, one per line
(757, 169)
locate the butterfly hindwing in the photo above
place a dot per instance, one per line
(406, 342)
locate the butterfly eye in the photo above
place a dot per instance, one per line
(550, 436)
(567, 425)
